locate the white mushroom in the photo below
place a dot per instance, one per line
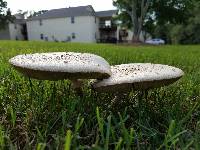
(138, 76)
(62, 65)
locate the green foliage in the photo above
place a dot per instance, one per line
(180, 25)
(2, 144)
(170, 11)
(5, 14)
(176, 33)
(162, 31)
(41, 146)
(189, 32)
(48, 114)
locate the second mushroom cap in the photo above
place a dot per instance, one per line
(138, 76)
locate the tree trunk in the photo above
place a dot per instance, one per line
(136, 38)
(136, 28)
(137, 20)
(136, 34)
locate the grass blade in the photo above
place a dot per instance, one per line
(68, 140)
(108, 133)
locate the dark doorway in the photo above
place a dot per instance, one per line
(24, 32)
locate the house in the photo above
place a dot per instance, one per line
(107, 30)
(73, 24)
(15, 30)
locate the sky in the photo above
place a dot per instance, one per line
(36, 5)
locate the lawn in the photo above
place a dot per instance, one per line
(45, 114)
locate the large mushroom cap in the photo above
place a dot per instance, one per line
(138, 76)
(62, 65)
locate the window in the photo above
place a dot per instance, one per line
(73, 35)
(15, 26)
(72, 20)
(41, 23)
(108, 23)
(95, 20)
(41, 36)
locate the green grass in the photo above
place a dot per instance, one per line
(48, 115)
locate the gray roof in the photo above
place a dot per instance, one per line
(107, 13)
(66, 12)
(74, 11)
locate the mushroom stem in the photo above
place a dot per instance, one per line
(77, 86)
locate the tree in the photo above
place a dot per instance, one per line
(170, 11)
(166, 15)
(32, 13)
(189, 32)
(5, 14)
(36, 13)
(25, 14)
(132, 14)
(151, 15)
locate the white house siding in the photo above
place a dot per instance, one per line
(5, 34)
(60, 29)
(118, 29)
(15, 32)
(97, 28)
